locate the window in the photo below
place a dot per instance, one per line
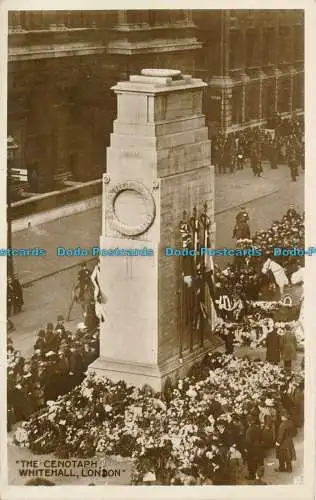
(268, 46)
(284, 95)
(236, 105)
(284, 44)
(251, 56)
(299, 43)
(234, 49)
(298, 92)
(252, 101)
(214, 111)
(268, 99)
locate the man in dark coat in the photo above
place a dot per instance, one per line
(273, 345)
(229, 342)
(83, 279)
(40, 341)
(10, 297)
(253, 448)
(293, 164)
(285, 451)
(241, 229)
(274, 154)
(17, 294)
(255, 159)
(60, 327)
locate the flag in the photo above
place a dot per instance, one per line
(96, 279)
(186, 237)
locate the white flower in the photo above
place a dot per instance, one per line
(211, 419)
(21, 436)
(107, 408)
(191, 393)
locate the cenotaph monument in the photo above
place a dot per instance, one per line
(158, 165)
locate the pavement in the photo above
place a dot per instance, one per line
(16, 455)
(48, 280)
(297, 476)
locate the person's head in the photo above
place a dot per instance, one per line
(288, 330)
(83, 265)
(188, 280)
(60, 319)
(49, 327)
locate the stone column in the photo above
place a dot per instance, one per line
(261, 93)
(188, 16)
(223, 83)
(122, 17)
(158, 165)
(245, 80)
(277, 74)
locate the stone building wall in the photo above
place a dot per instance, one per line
(62, 65)
(253, 61)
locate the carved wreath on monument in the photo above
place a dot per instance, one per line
(116, 197)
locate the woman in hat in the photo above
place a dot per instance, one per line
(288, 345)
(253, 447)
(285, 451)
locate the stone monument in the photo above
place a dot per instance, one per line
(158, 165)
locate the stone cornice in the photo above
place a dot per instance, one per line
(148, 27)
(56, 50)
(152, 46)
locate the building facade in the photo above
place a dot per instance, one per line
(62, 65)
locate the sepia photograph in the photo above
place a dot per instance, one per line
(155, 247)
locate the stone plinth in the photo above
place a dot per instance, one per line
(159, 164)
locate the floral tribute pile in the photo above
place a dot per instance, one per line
(242, 282)
(253, 332)
(188, 434)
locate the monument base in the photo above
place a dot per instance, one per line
(154, 375)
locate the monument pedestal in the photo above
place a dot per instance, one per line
(158, 166)
(154, 375)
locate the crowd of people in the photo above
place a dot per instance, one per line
(15, 299)
(58, 364)
(284, 143)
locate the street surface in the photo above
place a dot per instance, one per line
(267, 198)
